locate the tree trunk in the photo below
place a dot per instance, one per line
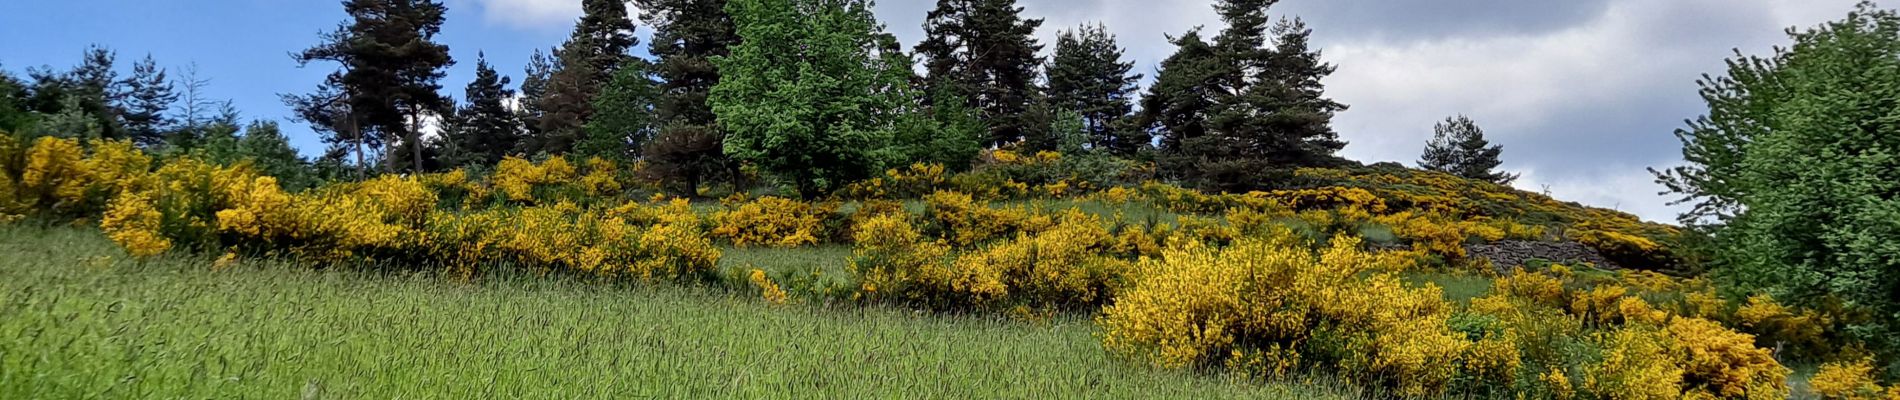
(415, 136)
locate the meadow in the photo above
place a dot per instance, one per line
(79, 319)
(550, 278)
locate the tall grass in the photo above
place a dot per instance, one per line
(79, 320)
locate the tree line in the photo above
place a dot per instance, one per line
(812, 94)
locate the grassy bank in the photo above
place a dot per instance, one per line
(80, 320)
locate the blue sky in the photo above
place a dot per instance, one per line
(1582, 94)
(243, 46)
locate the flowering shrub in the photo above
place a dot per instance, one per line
(767, 289)
(1197, 306)
(602, 179)
(891, 257)
(133, 223)
(517, 178)
(1847, 381)
(1056, 267)
(1637, 364)
(772, 221)
(916, 181)
(960, 219)
(1724, 362)
(55, 177)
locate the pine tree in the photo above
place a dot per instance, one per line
(807, 93)
(389, 68)
(93, 87)
(1177, 104)
(599, 47)
(987, 53)
(1088, 77)
(1282, 117)
(193, 109)
(534, 88)
(149, 97)
(1238, 114)
(687, 35)
(14, 113)
(484, 129)
(1458, 147)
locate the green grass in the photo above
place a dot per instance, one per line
(78, 320)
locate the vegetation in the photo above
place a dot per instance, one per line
(1458, 148)
(81, 318)
(1791, 175)
(969, 224)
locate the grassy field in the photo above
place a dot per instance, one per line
(79, 320)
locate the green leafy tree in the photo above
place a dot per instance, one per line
(805, 94)
(1795, 170)
(986, 52)
(1087, 76)
(1458, 147)
(599, 47)
(623, 116)
(71, 121)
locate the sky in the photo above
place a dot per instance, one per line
(1584, 95)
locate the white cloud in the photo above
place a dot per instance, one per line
(530, 13)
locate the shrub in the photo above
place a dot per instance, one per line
(1637, 364)
(1197, 307)
(1724, 362)
(891, 257)
(1056, 267)
(133, 223)
(964, 222)
(1846, 381)
(772, 221)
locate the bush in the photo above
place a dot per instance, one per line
(772, 221)
(1272, 300)
(1847, 381)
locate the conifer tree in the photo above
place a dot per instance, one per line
(1236, 114)
(484, 130)
(1088, 77)
(687, 34)
(534, 87)
(1458, 147)
(148, 99)
(14, 114)
(599, 47)
(389, 66)
(986, 52)
(1177, 104)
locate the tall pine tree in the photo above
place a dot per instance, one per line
(389, 68)
(484, 130)
(599, 47)
(148, 99)
(987, 53)
(1177, 104)
(687, 35)
(1237, 114)
(1088, 77)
